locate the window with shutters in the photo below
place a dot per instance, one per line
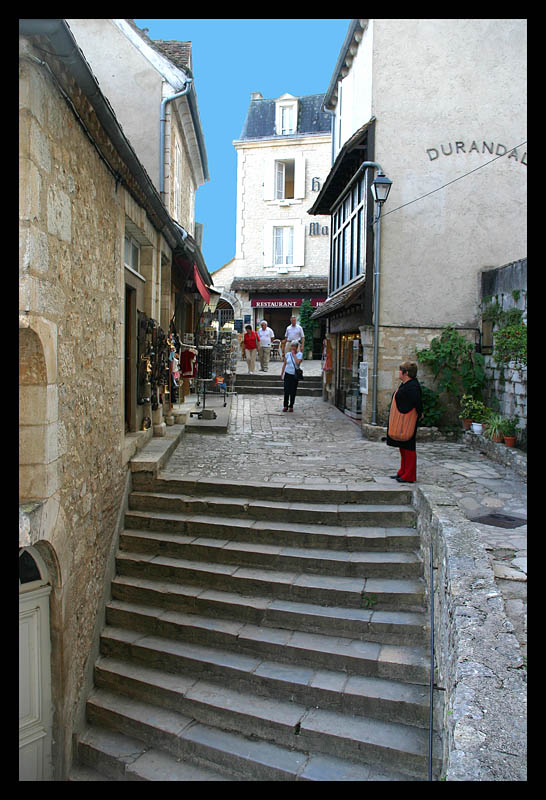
(283, 246)
(284, 179)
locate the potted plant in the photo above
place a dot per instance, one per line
(479, 415)
(509, 430)
(493, 427)
(467, 403)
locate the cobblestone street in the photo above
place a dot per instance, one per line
(319, 444)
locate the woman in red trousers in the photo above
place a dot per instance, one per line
(407, 397)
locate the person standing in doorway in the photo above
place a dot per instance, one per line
(251, 341)
(266, 336)
(292, 360)
(293, 333)
(407, 397)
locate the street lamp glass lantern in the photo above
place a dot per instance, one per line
(381, 188)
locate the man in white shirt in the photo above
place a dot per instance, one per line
(293, 333)
(266, 336)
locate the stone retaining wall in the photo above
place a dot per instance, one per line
(478, 661)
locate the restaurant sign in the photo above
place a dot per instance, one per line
(284, 302)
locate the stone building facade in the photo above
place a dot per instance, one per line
(82, 192)
(446, 121)
(151, 88)
(283, 156)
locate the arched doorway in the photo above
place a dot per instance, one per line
(224, 313)
(35, 709)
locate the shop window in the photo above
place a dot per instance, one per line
(349, 398)
(348, 251)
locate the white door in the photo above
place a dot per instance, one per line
(35, 716)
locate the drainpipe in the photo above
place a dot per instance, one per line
(163, 119)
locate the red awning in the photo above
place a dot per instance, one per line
(203, 291)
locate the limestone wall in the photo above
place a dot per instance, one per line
(480, 682)
(72, 303)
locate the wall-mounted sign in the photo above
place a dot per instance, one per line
(284, 302)
(363, 377)
(315, 185)
(316, 229)
(455, 148)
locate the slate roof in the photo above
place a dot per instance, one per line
(284, 284)
(260, 119)
(349, 295)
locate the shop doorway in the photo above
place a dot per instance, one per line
(348, 397)
(277, 318)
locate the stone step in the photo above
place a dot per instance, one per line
(117, 756)
(381, 593)
(272, 377)
(230, 753)
(365, 624)
(334, 537)
(249, 508)
(303, 391)
(289, 726)
(217, 647)
(350, 694)
(342, 494)
(374, 564)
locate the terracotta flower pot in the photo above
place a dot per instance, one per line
(466, 423)
(498, 437)
(510, 441)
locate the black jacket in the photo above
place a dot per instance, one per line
(406, 397)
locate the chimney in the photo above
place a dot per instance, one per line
(256, 96)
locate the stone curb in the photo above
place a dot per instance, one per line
(478, 661)
(507, 456)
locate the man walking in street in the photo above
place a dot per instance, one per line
(266, 336)
(293, 333)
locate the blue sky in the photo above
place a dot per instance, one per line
(231, 59)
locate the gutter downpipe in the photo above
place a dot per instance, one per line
(162, 120)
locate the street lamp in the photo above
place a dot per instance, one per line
(380, 190)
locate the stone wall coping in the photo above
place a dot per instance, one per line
(478, 660)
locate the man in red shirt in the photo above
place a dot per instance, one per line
(251, 342)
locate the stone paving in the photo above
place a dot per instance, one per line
(319, 444)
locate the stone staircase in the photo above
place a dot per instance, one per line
(261, 632)
(269, 383)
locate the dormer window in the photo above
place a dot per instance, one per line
(286, 115)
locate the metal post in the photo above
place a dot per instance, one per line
(376, 315)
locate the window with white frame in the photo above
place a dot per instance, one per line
(284, 178)
(283, 246)
(131, 253)
(286, 115)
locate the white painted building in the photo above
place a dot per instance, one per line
(283, 157)
(440, 104)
